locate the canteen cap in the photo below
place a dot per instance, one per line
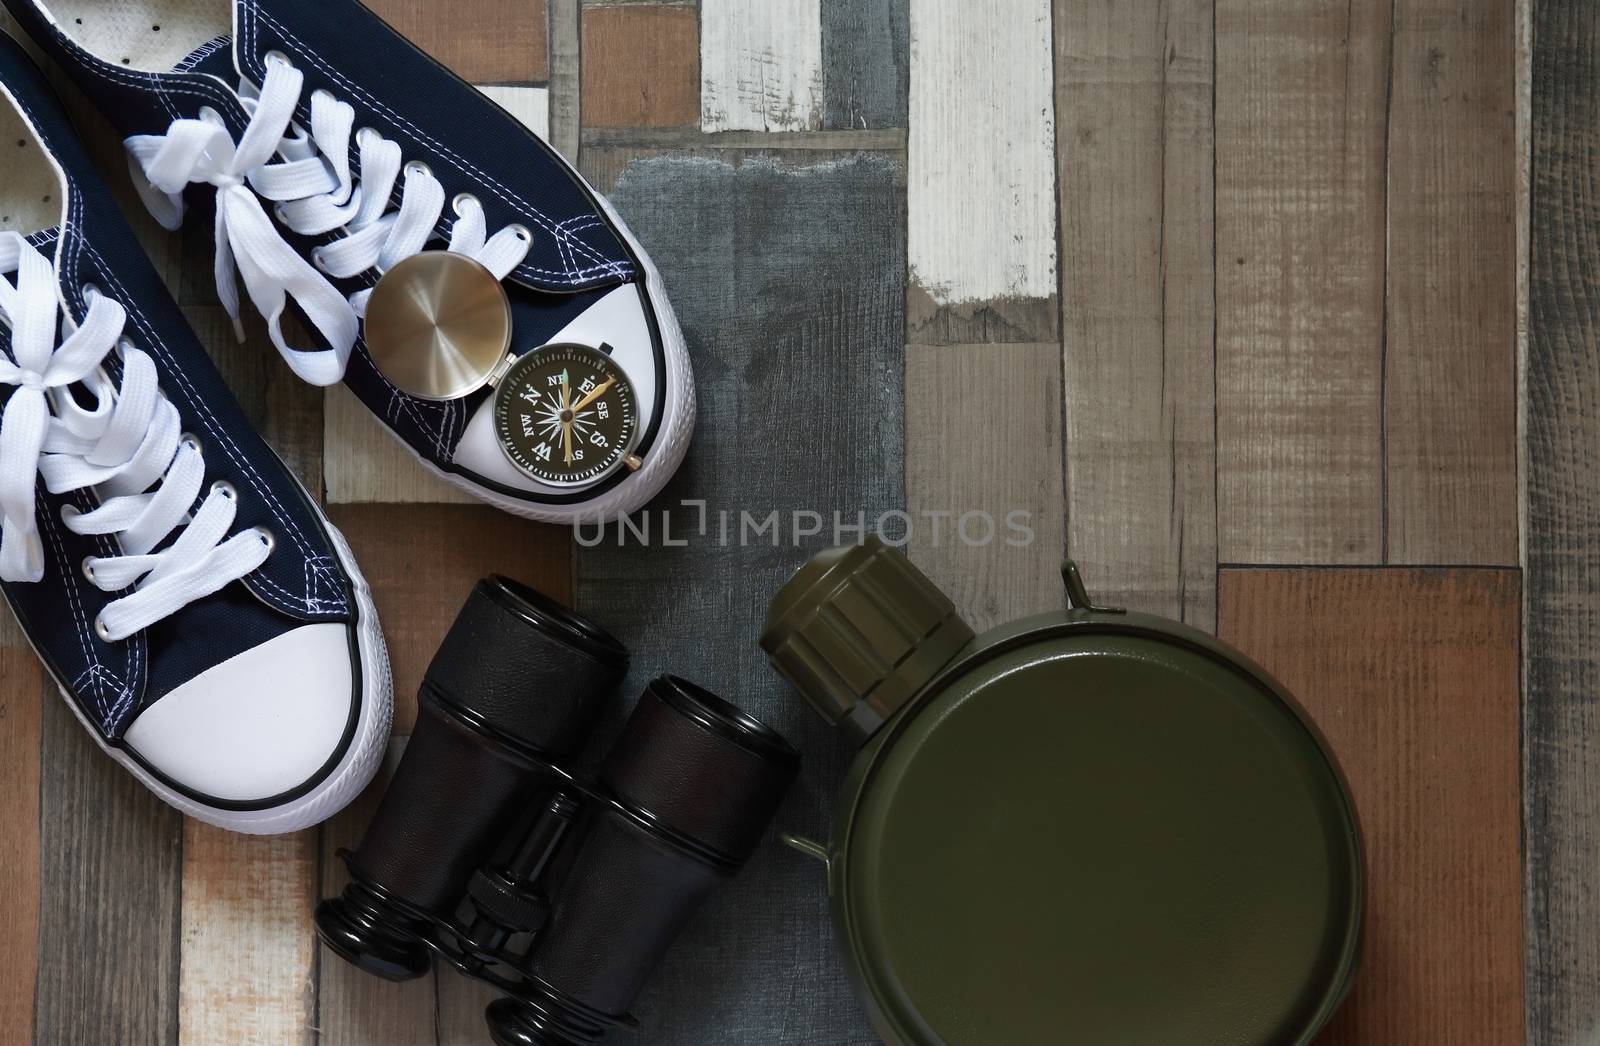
(859, 630)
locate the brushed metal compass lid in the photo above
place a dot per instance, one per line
(438, 324)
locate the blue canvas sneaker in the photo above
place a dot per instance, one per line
(465, 282)
(196, 610)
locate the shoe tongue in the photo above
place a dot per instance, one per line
(214, 57)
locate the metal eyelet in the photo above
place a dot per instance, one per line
(521, 232)
(461, 198)
(190, 440)
(69, 513)
(317, 261)
(100, 630)
(418, 168)
(226, 489)
(267, 539)
(275, 56)
(88, 568)
(363, 134)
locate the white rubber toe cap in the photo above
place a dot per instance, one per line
(257, 725)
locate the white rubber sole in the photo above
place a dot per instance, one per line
(356, 767)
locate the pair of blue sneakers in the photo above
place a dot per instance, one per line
(199, 613)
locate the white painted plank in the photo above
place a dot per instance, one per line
(981, 151)
(761, 65)
(531, 105)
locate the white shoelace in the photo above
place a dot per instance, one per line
(124, 445)
(315, 193)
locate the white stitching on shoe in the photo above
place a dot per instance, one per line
(423, 138)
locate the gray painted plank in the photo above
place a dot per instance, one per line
(1135, 154)
(1561, 719)
(789, 281)
(110, 857)
(565, 72)
(984, 476)
(865, 62)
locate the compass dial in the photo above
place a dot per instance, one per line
(566, 415)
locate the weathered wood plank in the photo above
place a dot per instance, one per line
(246, 959)
(685, 139)
(22, 689)
(984, 476)
(761, 65)
(866, 52)
(800, 411)
(1449, 366)
(248, 956)
(364, 462)
(1134, 112)
(461, 1004)
(422, 560)
(981, 173)
(641, 66)
(356, 1008)
(496, 41)
(1300, 139)
(566, 75)
(1561, 717)
(1424, 720)
(110, 871)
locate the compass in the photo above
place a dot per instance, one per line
(438, 327)
(567, 415)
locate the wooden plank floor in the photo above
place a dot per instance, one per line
(1223, 298)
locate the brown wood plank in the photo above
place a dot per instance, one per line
(641, 66)
(492, 41)
(1450, 364)
(356, 1008)
(22, 688)
(248, 953)
(1412, 676)
(422, 560)
(1561, 718)
(1134, 137)
(1300, 110)
(983, 475)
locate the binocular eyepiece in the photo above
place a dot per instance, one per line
(488, 852)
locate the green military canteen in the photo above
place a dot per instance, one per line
(1087, 826)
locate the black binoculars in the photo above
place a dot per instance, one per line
(563, 893)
